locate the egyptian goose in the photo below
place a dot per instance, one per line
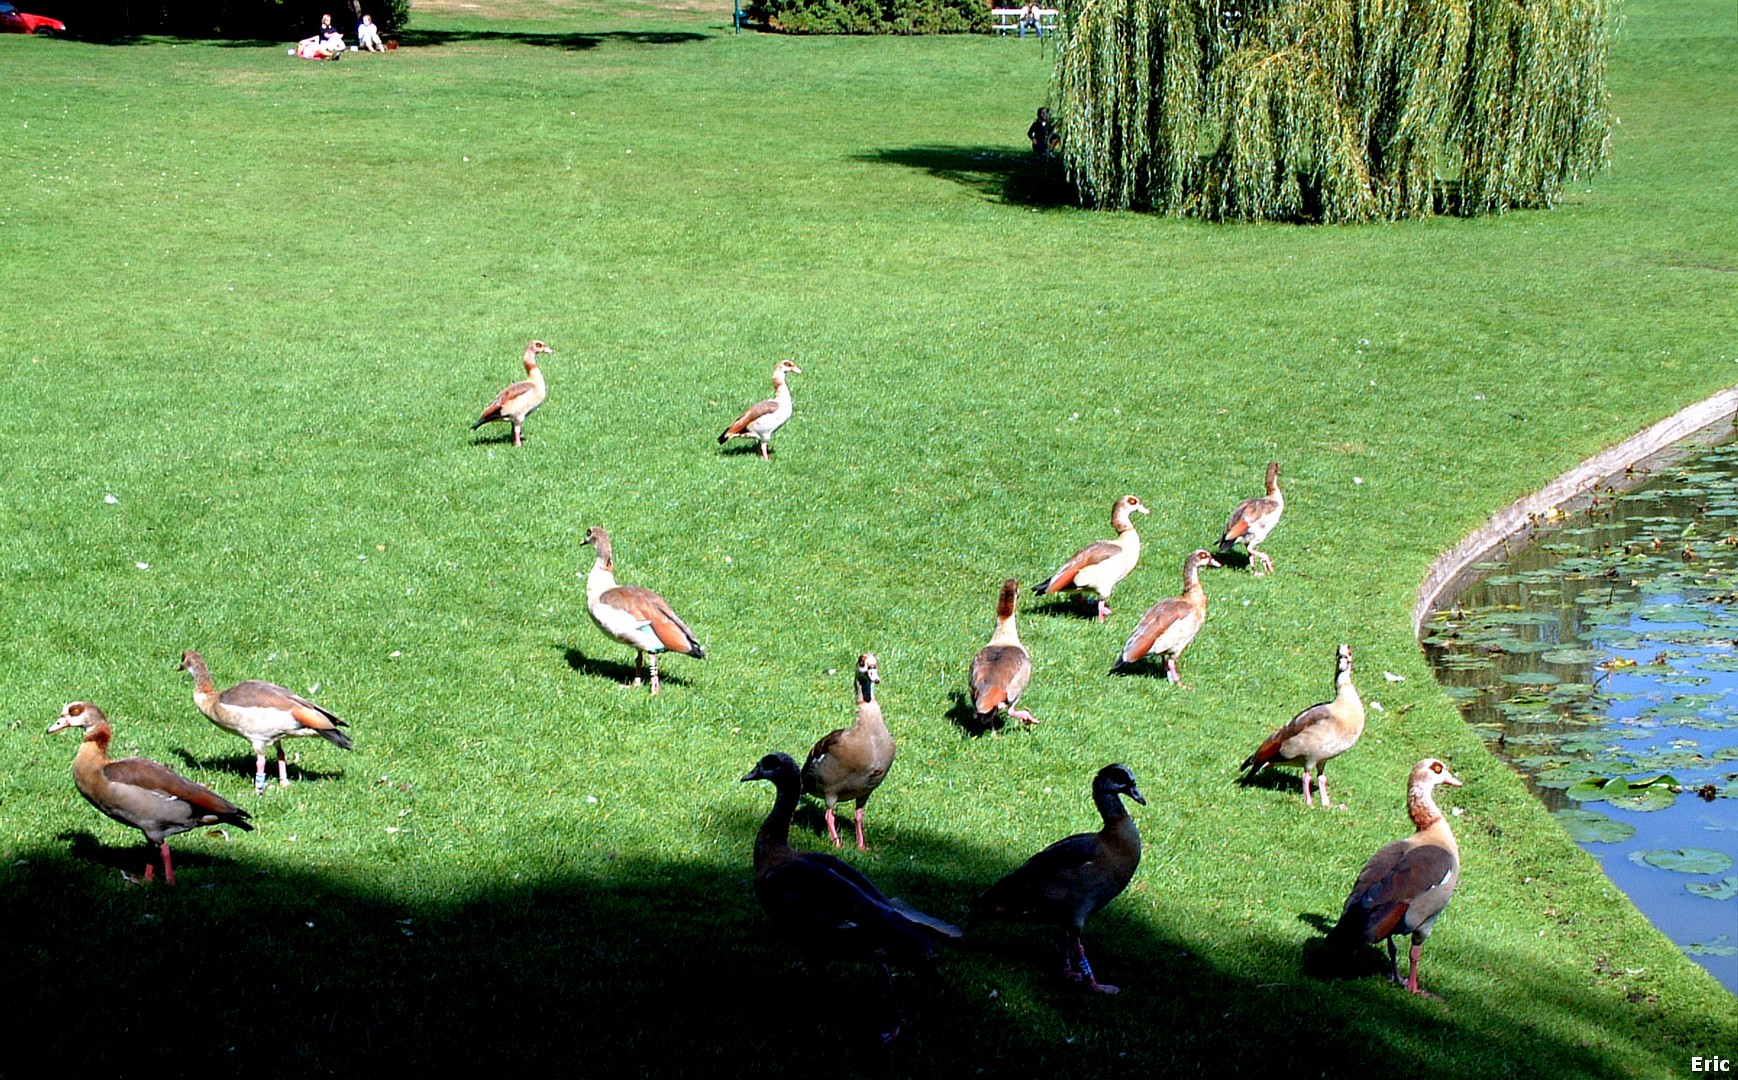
(1317, 735)
(632, 615)
(263, 713)
(139, 792)
(1169, 625)
(1253, 520)
(1069, 881)
(522, 398)
(1002, 668)
(765, 417)
(826, 905)
(1405, 886)
(1098, 567)
(851, 763)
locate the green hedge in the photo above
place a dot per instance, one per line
(871, 16)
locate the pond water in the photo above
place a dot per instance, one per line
(1601, 662)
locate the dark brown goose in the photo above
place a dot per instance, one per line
(1069, 881)
(824, 905)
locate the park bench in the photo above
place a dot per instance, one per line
(1007, 20)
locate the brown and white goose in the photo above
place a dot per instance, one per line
(1253, 520)
(825, 905)
(765, 417)
(1405, 886)
(1098, 567)
(139, 792)
(522, 398)
(632, 615)
(1069, 881)
(1169, 625)
(851, 763)
(1317, 735)
(1002, 668)
(263, 713)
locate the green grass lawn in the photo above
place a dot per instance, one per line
(259, 301)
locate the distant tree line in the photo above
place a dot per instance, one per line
(870, 16)
(272, 20)
(1331, 110)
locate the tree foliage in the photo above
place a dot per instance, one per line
(1346, 110)
(276, 20)
(871, 16)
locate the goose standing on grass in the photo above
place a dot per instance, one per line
(150, 797)
(1098, 567)
(263, 713)
(1069, 881)
(765, 417)
(851, 763)
(632, 615)
(1406, 885)
(1002, 668)
(1169, 625)
(1317, 735)
(826, 906)
(1253, 520)
(522, 398)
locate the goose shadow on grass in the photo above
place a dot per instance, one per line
(635, 963)
(1272, 779)
(1066, 606)
(243, 764)
(998, 172)
(616, 671)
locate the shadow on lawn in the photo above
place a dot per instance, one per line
(242, 765)
(613, 670)
(570, 41)
(999, 172)
(592, 962)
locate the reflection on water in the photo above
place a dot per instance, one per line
(1602, 663)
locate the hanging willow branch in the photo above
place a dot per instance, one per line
(1342, 110)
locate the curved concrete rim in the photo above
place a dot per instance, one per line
(1450, 567)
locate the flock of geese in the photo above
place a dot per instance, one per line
(825, 904)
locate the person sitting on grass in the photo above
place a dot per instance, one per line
(368, 35)
(1043, 135)
(326, 43)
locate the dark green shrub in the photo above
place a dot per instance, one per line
(871, 16)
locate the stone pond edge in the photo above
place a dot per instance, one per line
(1610, 467)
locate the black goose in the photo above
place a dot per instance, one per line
(1067, 882)
(824, 905)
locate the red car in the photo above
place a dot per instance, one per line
(13, 21)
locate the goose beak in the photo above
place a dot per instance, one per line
(1135, 794)
(753, 774)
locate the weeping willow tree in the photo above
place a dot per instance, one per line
(1346, 110)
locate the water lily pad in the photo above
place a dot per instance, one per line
(1532, 678)
(1572, 655)
(1645, 795)
(1684, 860)
(1724, 889)
(1591, 827)
(1670, 613)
